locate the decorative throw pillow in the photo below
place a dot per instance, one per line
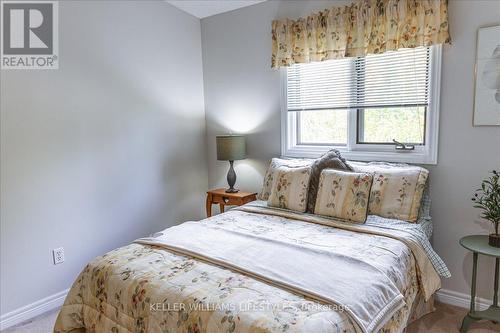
(330, 160)
(397, 189)
(289, 188)
(276, 163)
(343, 195)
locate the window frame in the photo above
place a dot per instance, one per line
(423, 154)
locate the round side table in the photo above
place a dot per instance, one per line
(478, 244)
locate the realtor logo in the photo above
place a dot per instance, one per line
(29, 38)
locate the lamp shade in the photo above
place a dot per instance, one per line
(231, 147)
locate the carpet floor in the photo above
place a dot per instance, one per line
(445, 319)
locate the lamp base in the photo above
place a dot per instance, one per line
(231, 178)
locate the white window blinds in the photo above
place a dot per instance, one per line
(399, 78)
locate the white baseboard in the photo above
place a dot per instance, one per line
(32, 310)
(461, 300)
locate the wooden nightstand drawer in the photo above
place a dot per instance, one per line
(220, 197)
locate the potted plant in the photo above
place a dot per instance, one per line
(487, 198)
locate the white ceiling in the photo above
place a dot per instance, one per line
(205, 8)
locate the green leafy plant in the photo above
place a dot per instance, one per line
(487, 198)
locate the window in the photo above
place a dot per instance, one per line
(361, 106)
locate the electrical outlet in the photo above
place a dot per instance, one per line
(58, 255)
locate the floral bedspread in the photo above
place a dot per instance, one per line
(143, 288)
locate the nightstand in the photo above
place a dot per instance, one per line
(219, 196)
(478, 244)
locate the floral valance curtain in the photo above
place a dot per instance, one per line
(365, 27)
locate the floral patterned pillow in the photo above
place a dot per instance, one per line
(276, 163)
(289, 188)
(343, 195)
(397, 189)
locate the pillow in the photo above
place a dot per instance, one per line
(289, 188)
(344, 195)
(330, 160)
(275, 163)
(397, 189)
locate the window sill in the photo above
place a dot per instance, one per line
(412, 157)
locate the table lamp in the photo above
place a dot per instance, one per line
(231, 148)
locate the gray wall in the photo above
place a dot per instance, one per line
(108, 148)
(242, 95)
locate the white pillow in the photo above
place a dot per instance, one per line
(344, 195)
(289, 188)
(397, 189)
(273, 164)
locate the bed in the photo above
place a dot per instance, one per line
(258, 268)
